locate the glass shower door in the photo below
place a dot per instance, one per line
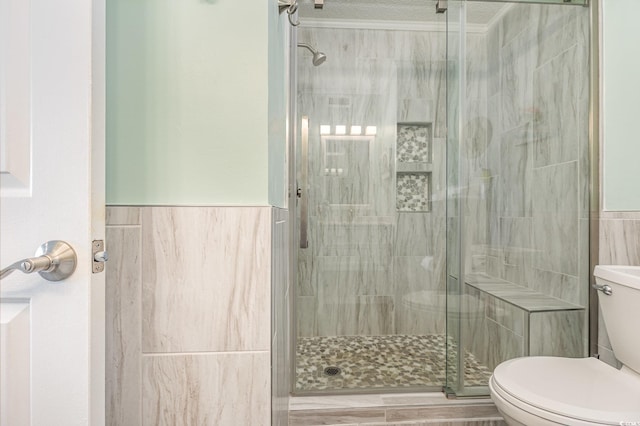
(369, 297)
(517, 182)
(455, 106)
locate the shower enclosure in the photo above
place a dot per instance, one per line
(442, 209)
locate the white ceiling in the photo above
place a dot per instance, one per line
(394, 10)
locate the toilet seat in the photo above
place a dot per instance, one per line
(577, 391)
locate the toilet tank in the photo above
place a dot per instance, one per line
(620, 311)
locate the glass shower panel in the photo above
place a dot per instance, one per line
(518, 135)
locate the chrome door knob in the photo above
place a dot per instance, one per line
(55, 261)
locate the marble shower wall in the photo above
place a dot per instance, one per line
(527, 171)
(189, 339)
(368, 265)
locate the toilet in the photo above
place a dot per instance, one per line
(539, 391)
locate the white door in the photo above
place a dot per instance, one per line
(52, 188)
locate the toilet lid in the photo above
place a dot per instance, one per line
(580, 388)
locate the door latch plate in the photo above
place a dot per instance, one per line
(98, 255)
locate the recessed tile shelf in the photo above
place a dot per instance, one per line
(413, 167)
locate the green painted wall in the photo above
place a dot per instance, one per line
(188, 102)
(621, 109)
(278, 95)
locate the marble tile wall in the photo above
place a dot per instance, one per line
(367, 257)
(554, 333)
(123, 362)
(188, 315)
(619, 245)
(494, 329)
(280, 318)
(527, 170)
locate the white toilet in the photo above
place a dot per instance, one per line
(538, 391)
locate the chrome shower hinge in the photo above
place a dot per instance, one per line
(289, 5)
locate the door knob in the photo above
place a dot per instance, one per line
(55, 261)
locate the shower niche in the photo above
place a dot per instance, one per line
(413, 167)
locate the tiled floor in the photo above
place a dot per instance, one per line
(376, 362)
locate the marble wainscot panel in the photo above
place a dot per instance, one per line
(188, 280)
(206, 389)
(188, 316)
(280, 318)
(123, 364)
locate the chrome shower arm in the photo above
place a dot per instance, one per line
(308, 47)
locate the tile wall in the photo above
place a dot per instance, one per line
(377, 238)
(526, 151)
(188, 315)
(280, 318)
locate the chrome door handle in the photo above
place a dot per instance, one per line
(606, 289)
(55, 261)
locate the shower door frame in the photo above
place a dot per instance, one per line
(295, 185)
(593, 193)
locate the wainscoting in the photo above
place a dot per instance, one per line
(188, 316)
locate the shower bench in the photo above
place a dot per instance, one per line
(526, 321)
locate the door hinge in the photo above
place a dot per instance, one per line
(99, 256)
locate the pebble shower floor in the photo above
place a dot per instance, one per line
(375, 362)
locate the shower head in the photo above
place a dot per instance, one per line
(318, 57)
